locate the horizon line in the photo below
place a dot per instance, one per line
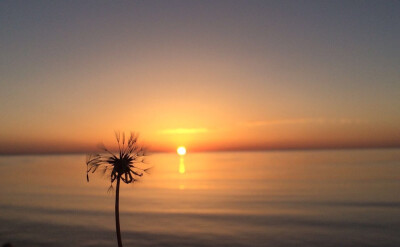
(288, 149)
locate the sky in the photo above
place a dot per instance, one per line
(208, 75)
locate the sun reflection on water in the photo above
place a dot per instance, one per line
(182, 169)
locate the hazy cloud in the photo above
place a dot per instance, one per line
(184, 131)
(302, 121)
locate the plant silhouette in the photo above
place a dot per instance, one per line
(120, 166)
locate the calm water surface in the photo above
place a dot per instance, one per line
(312, 198)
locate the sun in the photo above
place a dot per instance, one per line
(181, 150)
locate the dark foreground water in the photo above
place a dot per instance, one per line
(323, 198)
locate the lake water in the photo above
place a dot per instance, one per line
(309, 198)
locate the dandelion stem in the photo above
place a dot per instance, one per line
(117, 228)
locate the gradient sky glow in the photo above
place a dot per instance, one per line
(208, 75)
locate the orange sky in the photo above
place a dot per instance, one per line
(209, 76)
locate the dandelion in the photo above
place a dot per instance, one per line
(124, 165)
